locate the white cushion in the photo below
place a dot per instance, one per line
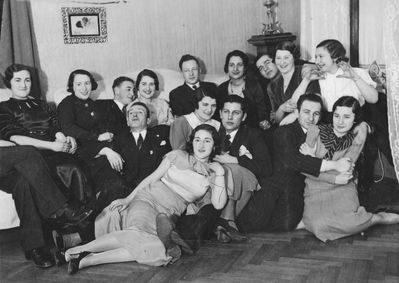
(9, 217)
(5, 94)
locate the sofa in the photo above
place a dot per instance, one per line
(168, 80)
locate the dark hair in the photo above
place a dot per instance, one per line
(150, 74)
(237, 99)
(314, 97)
(200, 93)
(290, 47)
(119, 80)
(260, 55)
(335, 48)
(351, 102)
(9, 73)
(138, 103)
(236, 53)
(215, 136)
(80, 72)
(185, 58)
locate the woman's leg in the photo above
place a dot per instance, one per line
(110, 256)
(385, 218)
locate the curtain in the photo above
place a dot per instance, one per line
(391, 51)
(17, 41)
(322, 20)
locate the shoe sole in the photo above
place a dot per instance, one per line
(179, 241)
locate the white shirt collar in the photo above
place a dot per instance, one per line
(232, 135)
(120, 104)
(137, 134)
(192, 86)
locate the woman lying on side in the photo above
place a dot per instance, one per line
(128, 229)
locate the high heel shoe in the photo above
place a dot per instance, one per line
(73, 265)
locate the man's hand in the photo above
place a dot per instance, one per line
(114, 158)
(74, 146)
(343, 178)
(344, 165)
(58, 146)
(225, 158)
(305, 149)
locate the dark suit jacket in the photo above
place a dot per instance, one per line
(254, 98)
(141, 163)
(182, 100)
(289, 162)
(252, 139)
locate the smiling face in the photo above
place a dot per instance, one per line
(309, 114)
(266, 67)
(82, 86)
(232, 116)
(324, 61)
(190, 70)
(236, 69)
(203, 144)
(146, 87)
(21, 84)
(285, 61)
(137, 118)
(343, 120)
(124, 93)
(206, 108)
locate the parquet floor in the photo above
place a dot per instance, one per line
(266, 257)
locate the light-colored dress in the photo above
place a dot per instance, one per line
(160, 112)
(135, 227)
(333, 211)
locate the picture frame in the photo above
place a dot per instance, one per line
(84, 25)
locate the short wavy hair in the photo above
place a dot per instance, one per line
(351, 102)
(215, 136)
(335, 48)
(290, 47)
(185, 58)
(200, 93)
(14, 68)
(131, 104)
(147, 73)
(72, 76)
(236, 53)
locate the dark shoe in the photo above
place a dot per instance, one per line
(73, 265)
(234, 234)
(179, 241)
(222, 236)
(58, 241)
(68, 216)
(41, 257)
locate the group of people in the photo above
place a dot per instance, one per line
(142, 179)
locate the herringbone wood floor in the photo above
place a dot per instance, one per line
(267, 257)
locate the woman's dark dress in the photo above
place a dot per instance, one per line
(85, 120)
(33, 118)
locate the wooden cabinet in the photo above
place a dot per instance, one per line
(267, 43)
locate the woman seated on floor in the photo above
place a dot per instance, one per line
(181, 128)
(147, 84)
(25, 120)
(132, 229)
(332, 208)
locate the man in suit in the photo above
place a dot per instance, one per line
(246, 156)
(142, 149)
(182, 99)
(279, 206)
(25, 175)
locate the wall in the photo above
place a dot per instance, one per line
(151, 34)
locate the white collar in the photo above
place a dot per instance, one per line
(120, 104)
(232, 135)
(197, 84)
(136, 135)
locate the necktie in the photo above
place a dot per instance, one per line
(124, 109)
(227, 143)
(140, 141)
(195, 87)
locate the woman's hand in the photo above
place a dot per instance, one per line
(217, 168)
(343, 178)
(119, 204)
(349, 72)
(344, 165)
(58, 146)
(60, 137)
(74, 146)
(288, 106)
(264, 125)
(114, 159)
(305, 149)
(107, 136)
(312, 74)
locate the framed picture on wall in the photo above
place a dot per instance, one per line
(84, 25)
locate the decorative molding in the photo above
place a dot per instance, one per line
(84, 25)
